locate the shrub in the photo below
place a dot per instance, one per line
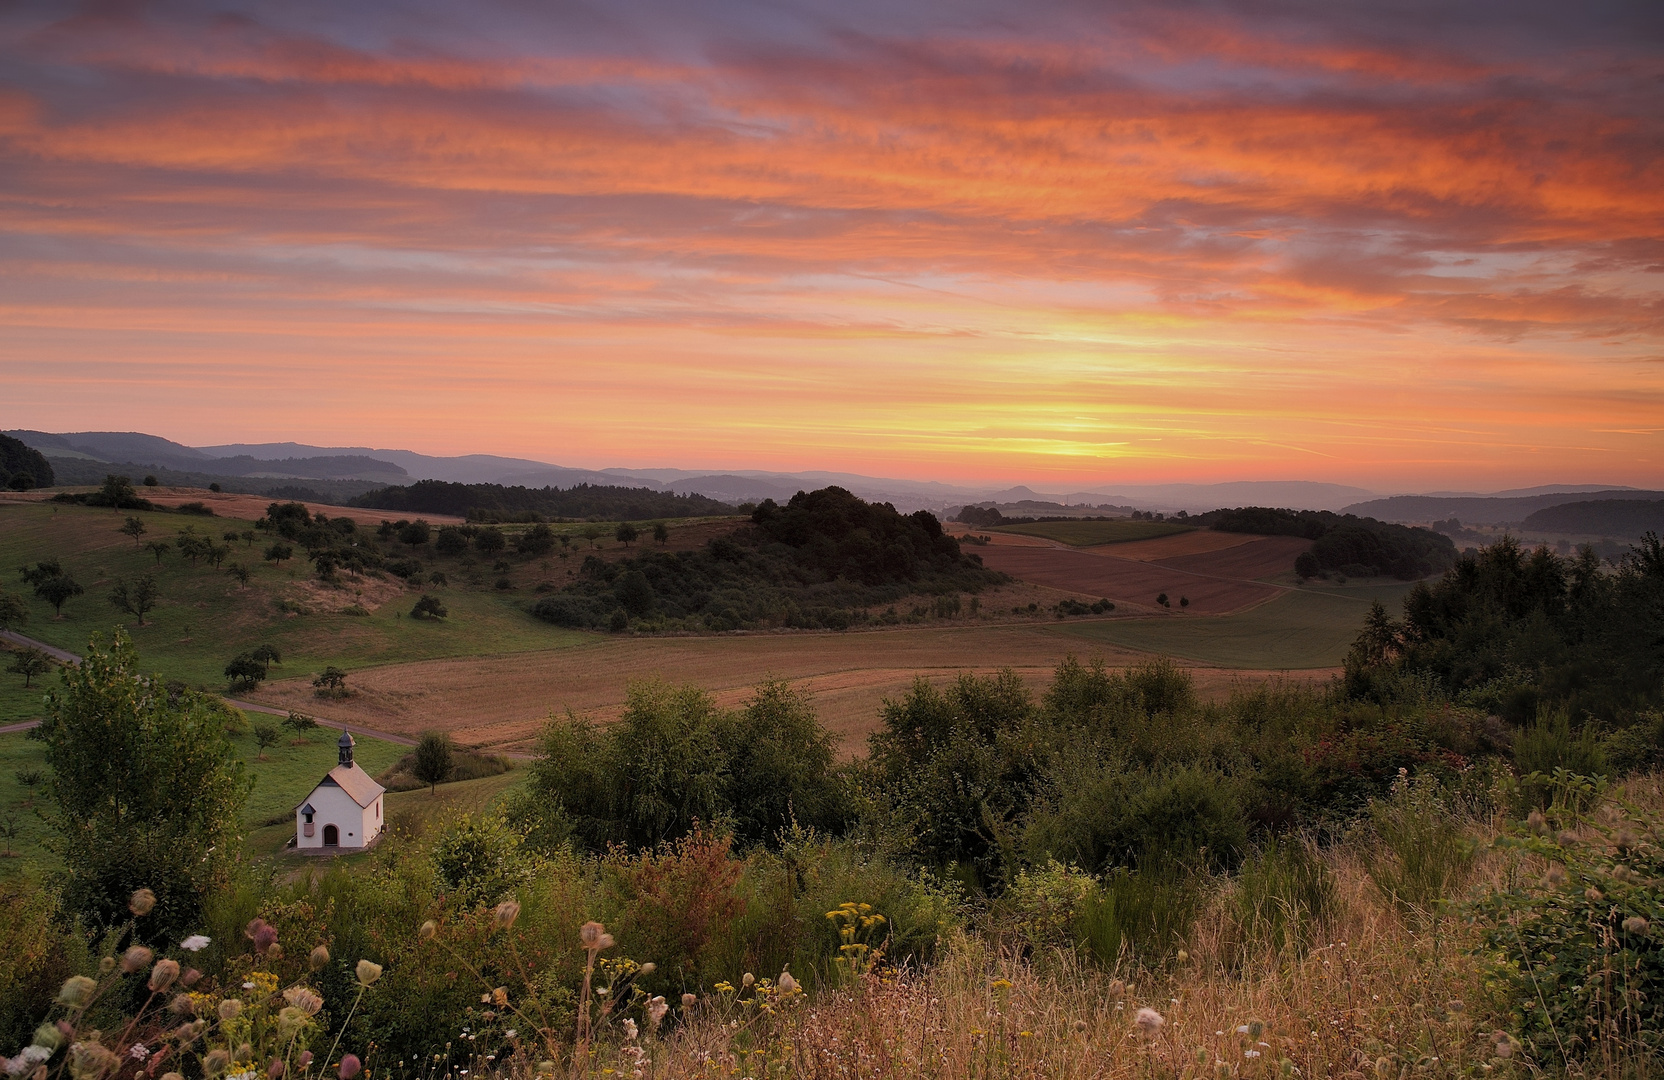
(1574, 952)
(480, 860)
(677, 902)
(429, 607)
(34, 959)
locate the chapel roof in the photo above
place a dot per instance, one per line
(355, 782)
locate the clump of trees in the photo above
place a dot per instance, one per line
(817, 561)
(22, 467)
(1343, 543)
(495, 502)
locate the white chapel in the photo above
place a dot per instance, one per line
(344, 811)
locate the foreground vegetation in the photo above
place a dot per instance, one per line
(1113, 878)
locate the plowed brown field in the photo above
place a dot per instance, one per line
(503, 701)
(1263, 557)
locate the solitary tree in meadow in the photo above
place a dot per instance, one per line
(216, 553)
(159, 548)
(192, 546)
(29, 663)
(135, 597)
(245, 672)
(428, 607)
(433, 759)
(625, 533)
(248, 537)
(300, 724)
(267, 654)
(58, 591)
(277, 553)
(134, 528)
(331, 683)
(266, 736)
(661, 532)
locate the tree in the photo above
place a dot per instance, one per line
(151, 481)
(537, 540)
(625, 533)
(428, 607)
(450, 541)
(159, 548)
(10, 830)
(490, 540)
(241, 573)
(134, 528)
(245, 672)
(58, 591)
(268, 654)
(1305, 564)
(661, 532)
(332, 683)
(29, 663)
(415, 534)
(300, 724)
(591, 533)
(192, 546)
(14, 611)
(147, 793)
(135, 597)
(277, 553)
(266, 736)
(41, 571)
(248, 537)
(433, 759)
(215, 553)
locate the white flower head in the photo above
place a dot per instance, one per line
(195, 943)
(1148, 1021)
(630, 1029)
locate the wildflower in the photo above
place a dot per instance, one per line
(656, 1008)
(350, 1066)
(275, 1069)
(1001, 984)
(317, 958)
(689, 1000)
(1536, 822)
(505, 914)
(1148, 1021)
(163, 974)
(290, 1021)
(630, 1031)
(136, 958)
(138, 1051)
(1250, 1054)
(1184, 956)
(747, 979)
(141, 902)
(191, 977)
(1636, 925)
(594, 936)
(230, 1009)
(305, 1059)
(48, 1038)
(76, 990)
(786, 983)
(368, 973)
(427, 931)
(90, 1059)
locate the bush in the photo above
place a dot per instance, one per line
(1574, 952)
(429, 607)
(480, 861)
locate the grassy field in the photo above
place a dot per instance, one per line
(1092, 533)
(204, 619)
(281, 780)
(1303, 628)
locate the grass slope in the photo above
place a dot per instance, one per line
(204, 619)
(1303, 628)
(288, 772)
(1092, 533)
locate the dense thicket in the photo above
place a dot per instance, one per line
(22, 466)
(1512, 630)
(495, 502)
(811, 563)
(1600, 517)
(1345, 543)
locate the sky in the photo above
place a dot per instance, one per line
(1407, 246)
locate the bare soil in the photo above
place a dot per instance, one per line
(502, 702)
(1128, 581)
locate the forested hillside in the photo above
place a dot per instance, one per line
(495, 502)
(1600, 517)
(1344, 543)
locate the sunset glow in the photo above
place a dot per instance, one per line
(1410, 247)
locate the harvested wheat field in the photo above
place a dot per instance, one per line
(1133, 581)
(501, 702)
(1194, 542)
(1264, 557)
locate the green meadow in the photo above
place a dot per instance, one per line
(1302, 628)
(205, 618)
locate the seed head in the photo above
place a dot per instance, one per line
(305, 1059)
(275, 1069)
(76, 990)
(427, 931)
(1148, 1021)
(1593, 895)
(592, 934)
(1625, 839)
(689, 1000)
(368, 973)
(191, 977)
(1117, 989)
(506, 913)
(747, 979)
(181, 1005)
(630, 1031)
(647, 968)
(350, 1066)
(230, 1009)
(262, 933)
(1567, 838)
(1536, 822)
(656, 1008)
(106, 965)
(215, 1062)
(1184, 956)
(1555, 877)
(1256, 1028)
(318, 958)
(305, 999)
(786, 983)
(163, 974)
(1636, 925)
(141, 902)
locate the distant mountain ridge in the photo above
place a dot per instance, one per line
(1485, 510)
